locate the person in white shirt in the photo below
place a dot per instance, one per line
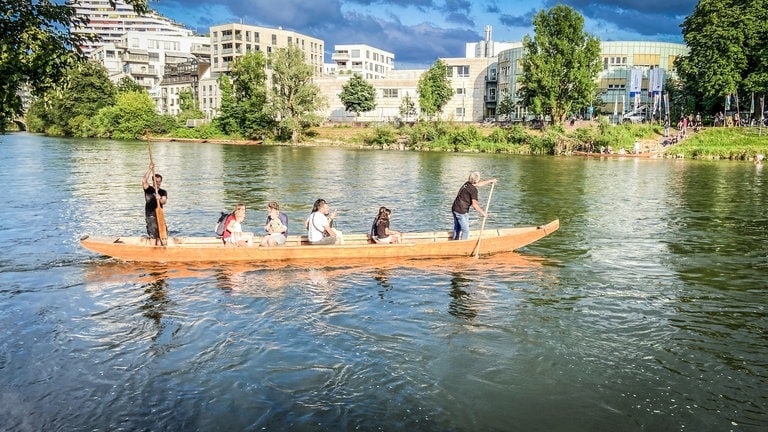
(319, 225)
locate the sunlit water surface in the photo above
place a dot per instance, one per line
(645, 312)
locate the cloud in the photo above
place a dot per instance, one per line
(420, 31)
(525, 20)
(652, 18)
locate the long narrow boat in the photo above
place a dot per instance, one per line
(356, 246)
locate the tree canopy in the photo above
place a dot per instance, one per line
(358, 95)
(560, 65)
(407, 107)
(37, 47)
(434, 89)
(728, 53)
(249, 75)
(294, 98)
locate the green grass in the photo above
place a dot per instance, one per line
(723, 143)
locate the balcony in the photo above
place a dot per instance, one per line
(340, 55)
(142, 70)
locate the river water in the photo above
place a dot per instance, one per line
(646, 311)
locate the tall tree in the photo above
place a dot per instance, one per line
(560, 64)
(407, 107)
(85, 91)
(227, 120)
(434, 89)
(37, 47)
(506, 105)
(294, 98)
(727, 46)
(358, 95)
(249, 76)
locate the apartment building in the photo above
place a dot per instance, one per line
(146, 57)
(110, 23)
(466, 77)
(230, 41)
(369, 62)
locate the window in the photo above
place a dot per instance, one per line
(389, 92)
(462, 71)
(460, 112)
(274, 39)
(460, 91)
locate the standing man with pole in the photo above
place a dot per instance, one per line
(155, 198)
(466, 198)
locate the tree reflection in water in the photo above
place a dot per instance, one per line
(462, 305)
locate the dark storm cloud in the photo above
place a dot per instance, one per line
(648, 18)
(414, 45)
(525, 20)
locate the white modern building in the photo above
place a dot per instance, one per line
(369, 62)
(488, 47)
(111, 23)
(466, 77)
(145, 56)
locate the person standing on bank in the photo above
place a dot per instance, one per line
(466, 198)
(152, 197)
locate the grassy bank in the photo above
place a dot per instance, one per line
(723, 143)
(711, 143)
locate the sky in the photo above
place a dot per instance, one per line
(418, 32)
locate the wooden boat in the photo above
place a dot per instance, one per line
(356, 246)
(646, 155)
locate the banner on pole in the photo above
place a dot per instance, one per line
(635, 81)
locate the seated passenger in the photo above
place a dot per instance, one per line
(233, 233)
(276, 226)
(319, 225)
(383, 233)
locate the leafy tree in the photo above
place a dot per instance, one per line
(227, 121)
(250, 94)
(127, 84)
(187, 101)
(434, 89)
(506, 105)
(188, 106)
(560, 64)
(87, 89)
(358, 95)
(407, 107)
(294, 98)
(132, 114)
(37, 47)
(727, 46)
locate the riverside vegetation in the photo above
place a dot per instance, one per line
(711, 143)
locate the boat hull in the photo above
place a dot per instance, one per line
(414, 245)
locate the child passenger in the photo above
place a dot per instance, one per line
(383, 234)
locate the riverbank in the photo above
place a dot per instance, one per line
(709, 143)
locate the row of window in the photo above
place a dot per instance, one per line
(458, 71)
